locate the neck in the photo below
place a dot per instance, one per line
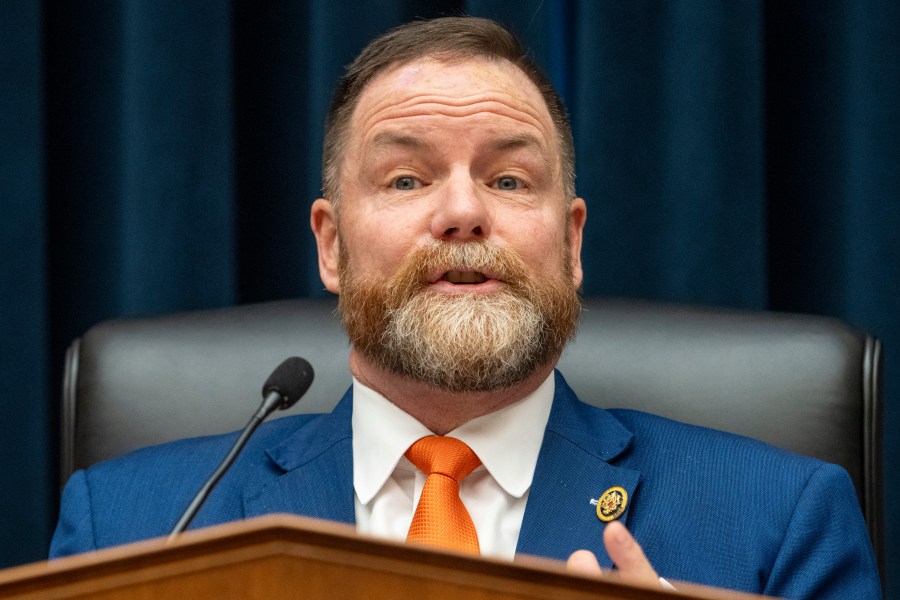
(437, 409)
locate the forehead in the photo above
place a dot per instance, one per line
(465, 90)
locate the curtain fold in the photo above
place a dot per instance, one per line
(669, 135)
(25, 436)
(159, 156)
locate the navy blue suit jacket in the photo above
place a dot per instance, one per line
(706, 506)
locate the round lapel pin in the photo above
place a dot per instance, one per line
(612, 504)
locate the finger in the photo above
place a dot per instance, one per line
(629, 558)
(583, 562)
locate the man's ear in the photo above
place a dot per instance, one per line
(575, 224)
(323, 220)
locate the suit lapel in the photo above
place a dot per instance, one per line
(314, 471)
(313, 476)
(572, 471)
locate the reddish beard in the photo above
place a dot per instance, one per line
(464, 342)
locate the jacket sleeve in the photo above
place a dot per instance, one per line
(75, 528)
(826, 552)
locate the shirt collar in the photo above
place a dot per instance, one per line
(507, 441)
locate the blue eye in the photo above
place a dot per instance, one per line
(508, 183)
(405, 183)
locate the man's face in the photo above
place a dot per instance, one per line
(441, 157)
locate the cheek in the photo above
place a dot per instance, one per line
(542, 244)
(376, 247)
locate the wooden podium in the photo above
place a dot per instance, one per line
(285, 556)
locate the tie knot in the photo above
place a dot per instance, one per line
(445, 455)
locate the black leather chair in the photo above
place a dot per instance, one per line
(808, 384)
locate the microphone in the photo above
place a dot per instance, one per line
(284, 387)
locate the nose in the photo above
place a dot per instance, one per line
(462, 214)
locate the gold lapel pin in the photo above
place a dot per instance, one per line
(612, 504)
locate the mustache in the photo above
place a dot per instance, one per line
(419, 268)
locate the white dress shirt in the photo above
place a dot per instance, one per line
(388, 486)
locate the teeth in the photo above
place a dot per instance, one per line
(464, 277)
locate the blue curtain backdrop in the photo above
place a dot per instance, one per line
(161, 155)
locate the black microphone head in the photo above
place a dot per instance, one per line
(290, 380)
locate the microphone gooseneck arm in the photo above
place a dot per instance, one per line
(284, 387)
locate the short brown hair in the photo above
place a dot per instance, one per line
(446, 38)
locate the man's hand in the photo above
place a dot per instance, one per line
(631, 564)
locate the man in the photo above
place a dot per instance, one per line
(451, 231)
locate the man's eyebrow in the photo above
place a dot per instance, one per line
(385, 139)
(528, 142)
(514, 142)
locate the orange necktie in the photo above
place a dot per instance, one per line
(441, 519)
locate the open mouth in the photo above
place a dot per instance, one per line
(463, 277)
